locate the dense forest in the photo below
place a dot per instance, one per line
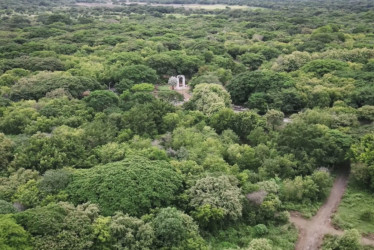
(99, 150)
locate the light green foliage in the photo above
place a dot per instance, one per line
(146, 184)
(350, 240)
(364, 150)
(324, 146)
(8, 186)
(17, 117)
(28, 194)
(219, 192)
(64, 147)
(292, 61)
(363, 157)
(6, 152)
(366, 113)
(260, 230)
(210, 98)
(174, 228)
(12, 235)
(283, 166)
(260, 244)
(336, 117)
(77, 89)
(143, 87)
(111, 152)
(130, 233)
(269, 186)
(207, 215)
(10, 77)
(355, 209)
(242, 155)
(309, 188)
(103, 238)
(274, 118)
(241, 235)
(201, 146)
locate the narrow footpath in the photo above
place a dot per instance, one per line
(311, 232)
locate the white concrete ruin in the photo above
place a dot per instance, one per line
(181, 85)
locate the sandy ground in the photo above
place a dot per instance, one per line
(185, 92)
(311, 232)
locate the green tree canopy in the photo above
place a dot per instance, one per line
(132, 186)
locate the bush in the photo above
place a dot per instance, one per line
(260, 230)
(143, 87)
(54, 180)
(367, 215)
(175, 229)
(102, 99)
(324, 66)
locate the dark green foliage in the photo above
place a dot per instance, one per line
(241, 123)
(129, 75)
(175, 229)
(82, 85)
(146, 119)
(6, 207)
(37, 86)
(102, 99)
(321, 67)
(61, 225)
(6, 151)
(319, 144)
(54, 180)
(259, 88)
(252, 60)
(133, 186)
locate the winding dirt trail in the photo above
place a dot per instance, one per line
(311, 232)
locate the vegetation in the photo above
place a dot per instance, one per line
(98, 151)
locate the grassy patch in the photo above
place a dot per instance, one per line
(163, 87)
(307, 210)
(354, 210)
(239, 236)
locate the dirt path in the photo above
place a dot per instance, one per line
(185, 92)
(311, 232)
